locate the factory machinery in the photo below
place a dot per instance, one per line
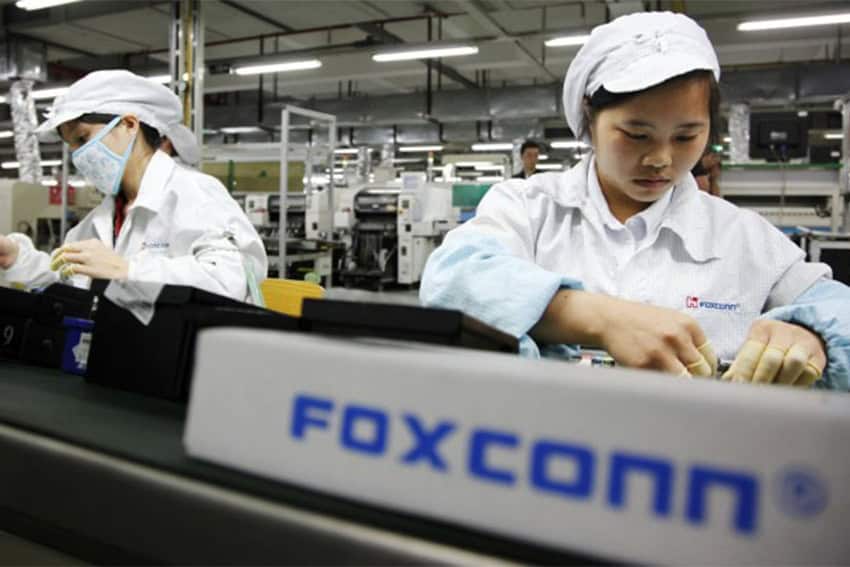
(392, 231)
(379, 234)
(788, 195)
(308, 231)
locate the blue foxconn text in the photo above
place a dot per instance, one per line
(366, 430)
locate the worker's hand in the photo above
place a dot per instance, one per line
(89, 258)
(781, 353)
(8, 252)
(645, 336)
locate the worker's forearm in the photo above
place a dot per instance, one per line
(572, 317)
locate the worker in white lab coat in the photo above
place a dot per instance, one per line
(158, 222)
(624, 252)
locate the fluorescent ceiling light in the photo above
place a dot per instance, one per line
(783, 23)
(348, 151)
(545, 166)
(567, 40)
(492, 147)
(803, 113)
(162, 79)
(40, 4)
(489, 168)
(834, 154)
(425, 53)
(727, 139)
(241, 130)
(6, 134)
(48, 93)
(568, 144)
(543, 157)
(488, 178)
(44, 163)
(278, 67)
(834, 136)
(411, 149)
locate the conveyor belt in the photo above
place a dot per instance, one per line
(101, 474)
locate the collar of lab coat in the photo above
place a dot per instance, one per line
(651, 216)
(153, 187)
(687, 214)
(151, 195)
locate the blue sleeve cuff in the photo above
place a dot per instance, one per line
(825, 309)
(481, 278)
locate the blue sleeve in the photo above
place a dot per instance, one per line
(825, 309)
(477, 274)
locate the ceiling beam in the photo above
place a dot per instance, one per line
(381, 34)
(258, 16)
(476, 10)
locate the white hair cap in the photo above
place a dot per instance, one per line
(120, 92)
(633, 53)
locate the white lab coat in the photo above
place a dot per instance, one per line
(183, 228)
(723, 265)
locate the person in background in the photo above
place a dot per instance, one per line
(707, 173)
(529, 153)
(159, 222)
(624, 252)
(178, 141)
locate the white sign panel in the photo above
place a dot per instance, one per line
(616, 463)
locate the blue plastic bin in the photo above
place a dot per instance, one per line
(78, 333)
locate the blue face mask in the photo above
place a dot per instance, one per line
(102, 167)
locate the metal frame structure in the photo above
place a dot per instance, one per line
(843, 105)
(315, 117)
(66, 170)
(186, 63)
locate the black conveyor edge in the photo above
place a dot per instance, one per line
(101, 474)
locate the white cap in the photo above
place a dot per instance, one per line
(633, 53)
(121, 92)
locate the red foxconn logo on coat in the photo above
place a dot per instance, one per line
(694, 302)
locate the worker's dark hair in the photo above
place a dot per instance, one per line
(149, 133)
(529, 144)
(699, 169)
(603, 99)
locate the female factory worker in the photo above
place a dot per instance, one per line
(624, 252)
(159, 222)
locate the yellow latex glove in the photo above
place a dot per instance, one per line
(90, 258)
(781, 353)
(706, 365)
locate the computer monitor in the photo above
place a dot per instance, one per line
(778, 136)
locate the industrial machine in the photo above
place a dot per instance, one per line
(370, 260)
(788, 195)
(394, 230)
(305, 252)
(424, 216)
(318, 217)
(832, 248)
